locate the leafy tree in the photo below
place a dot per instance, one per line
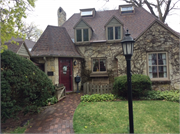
(159, 8)
(31, 31)
(12, 12)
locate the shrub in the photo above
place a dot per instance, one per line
(52, 100)
(172, 95)
(140, 83)
(24, 86)
(97, 97)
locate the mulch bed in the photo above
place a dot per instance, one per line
(22, 120)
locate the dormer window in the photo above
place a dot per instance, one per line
(86, 13)
(83, 32)
(114, 33)
(90, 12)
(114, 29)
(126, 9)
(82, 35)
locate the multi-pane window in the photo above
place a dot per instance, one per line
(114, 33)
(99, 65)
(157, 63)
(82, 35)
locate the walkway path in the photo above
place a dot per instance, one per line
(56, 118)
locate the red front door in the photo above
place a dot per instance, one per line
(65, 73)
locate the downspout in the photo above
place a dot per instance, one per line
(45, 65)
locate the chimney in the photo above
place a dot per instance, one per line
(61, 16)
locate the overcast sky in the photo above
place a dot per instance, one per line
(45, 12)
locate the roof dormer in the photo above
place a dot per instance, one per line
(114, 29)
(82, 31)
(126, 9)
(90, 12)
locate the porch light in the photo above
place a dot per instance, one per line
(127, 47)
(75, 63)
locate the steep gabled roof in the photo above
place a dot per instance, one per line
(55, 42)
(16, 47)
(136, 22)
(29, 43)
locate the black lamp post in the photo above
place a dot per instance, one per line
(127, 46)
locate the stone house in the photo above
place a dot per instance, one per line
(94, 38)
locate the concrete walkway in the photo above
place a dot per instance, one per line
(57, 118)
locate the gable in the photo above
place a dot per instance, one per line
(23, 51)
(113, 22)
(82, 24)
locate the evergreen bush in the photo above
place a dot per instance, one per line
(23, 85)
(140, 83)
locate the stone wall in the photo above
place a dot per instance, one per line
(155, 39)
(99, 50)
(76, 71)
(51, 65)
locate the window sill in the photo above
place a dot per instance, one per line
(114, 41)
(82, 43)
(166, 81)
(99, 74)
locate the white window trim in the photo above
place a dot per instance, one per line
(167, 66)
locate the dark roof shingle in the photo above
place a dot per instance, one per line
(136, 23)
(14, 47)
(55, 42)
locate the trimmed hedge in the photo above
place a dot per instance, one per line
(23, 85)
(140, 83)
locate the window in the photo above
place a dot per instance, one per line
(127, 9)
(114, 33)
(82, 35)
(99, 65)
(157, 65)
(86, 13)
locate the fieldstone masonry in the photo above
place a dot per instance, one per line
(51, 65)
(155, 39)
(61, 16)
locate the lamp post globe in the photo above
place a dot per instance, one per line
(127, 47)
(127, 44)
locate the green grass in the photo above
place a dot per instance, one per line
(112, 117)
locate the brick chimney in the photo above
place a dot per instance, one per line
(61, 16)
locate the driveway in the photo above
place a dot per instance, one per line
(57, 118)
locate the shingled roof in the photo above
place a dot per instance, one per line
(29, 43)
(14, 47)
(137, 23)
(17, 48)
(55, 42)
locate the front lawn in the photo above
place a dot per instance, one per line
(113, 117)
